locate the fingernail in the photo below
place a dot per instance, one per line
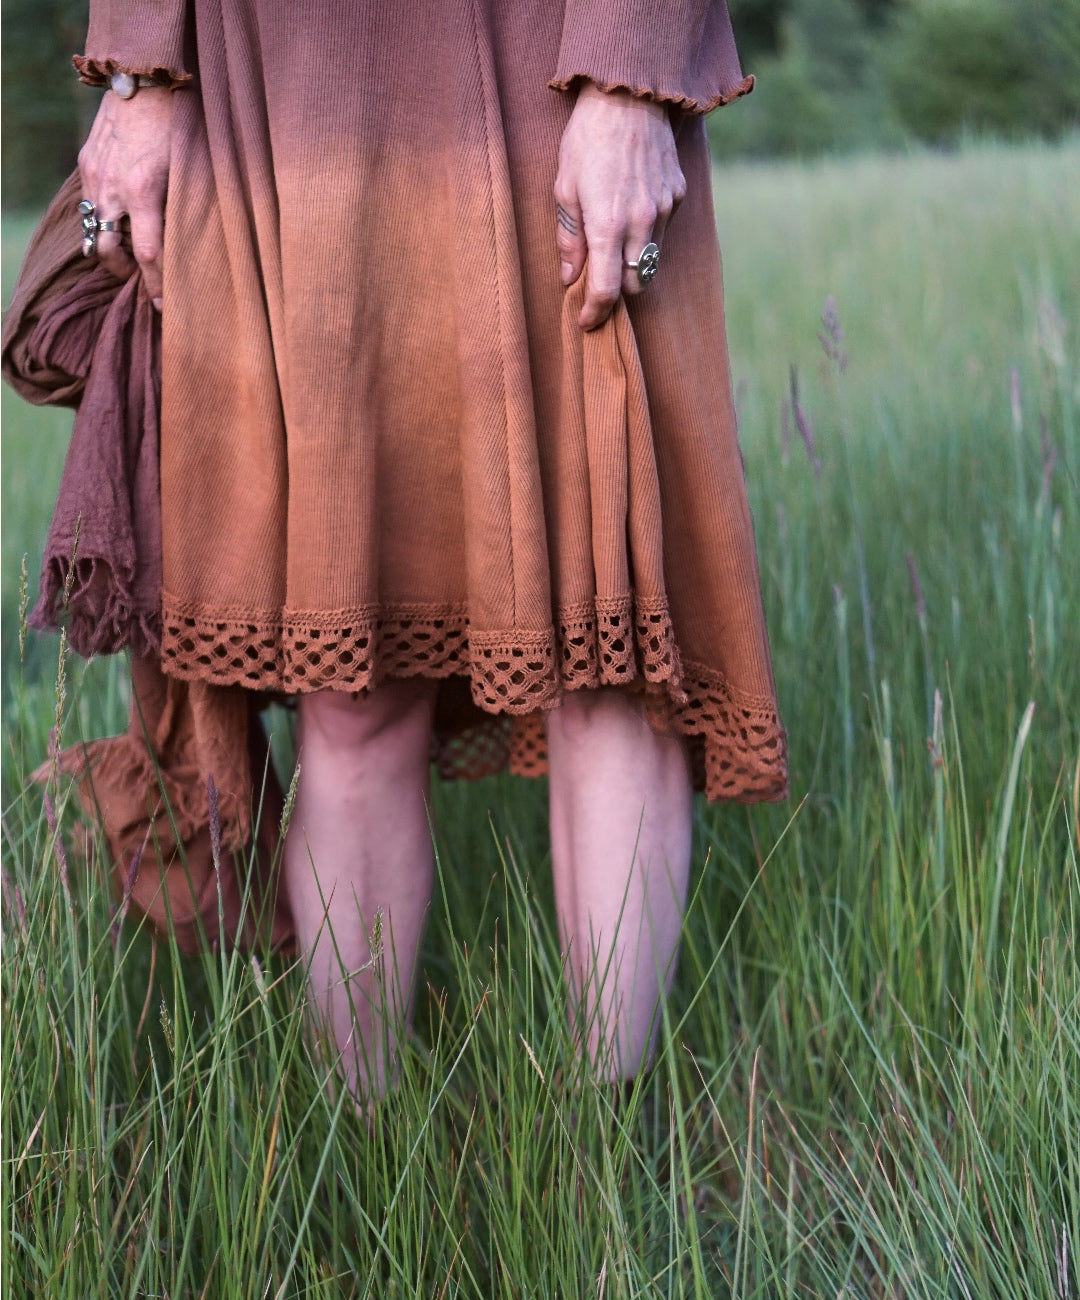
(566, 271)
(158, 303)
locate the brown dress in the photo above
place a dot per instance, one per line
(387, 449)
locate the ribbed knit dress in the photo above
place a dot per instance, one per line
(387, 448)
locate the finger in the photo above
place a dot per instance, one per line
(148, 240)
(105, 245)
(569, 237)
(664, 210)
(605, 244)
(669, 201)
(110, 249)
(641, 230)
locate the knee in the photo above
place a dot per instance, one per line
(396, 714)
(584, 715)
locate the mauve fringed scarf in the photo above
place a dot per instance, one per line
(76, 336)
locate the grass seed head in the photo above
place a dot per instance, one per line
(832, 335)
(58, 843)
(802, 423)
(120, 910)
(167, 1025)
(215, 822)
(24, 604)
(69, 577)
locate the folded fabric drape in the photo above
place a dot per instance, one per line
(76, 336)
(386, 449)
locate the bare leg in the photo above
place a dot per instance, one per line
(621, 820)
(358, 859)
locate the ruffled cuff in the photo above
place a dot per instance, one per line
(679, 52)
(98, 72)
(145, 38)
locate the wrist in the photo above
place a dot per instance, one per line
(621, 97)
(126, 85)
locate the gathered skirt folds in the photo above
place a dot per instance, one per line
(387, 448)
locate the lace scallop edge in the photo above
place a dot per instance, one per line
(738, 747)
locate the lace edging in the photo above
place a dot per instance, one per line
(737, 744)
(738, 747)
(741, 743)
(605, 642)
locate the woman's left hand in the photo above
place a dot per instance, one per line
(619, 181)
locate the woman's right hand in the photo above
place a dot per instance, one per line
(124, 166)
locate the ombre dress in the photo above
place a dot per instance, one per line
(386, 447)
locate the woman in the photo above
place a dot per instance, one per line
(446, 446)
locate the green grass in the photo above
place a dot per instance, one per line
(868, 1083)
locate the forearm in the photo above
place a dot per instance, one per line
(680, 52)
(146, 37)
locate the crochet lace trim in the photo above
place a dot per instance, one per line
(736, 741)
(738, 747)
(599, 643)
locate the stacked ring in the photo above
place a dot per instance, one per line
(92, 227)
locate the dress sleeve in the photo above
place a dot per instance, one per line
(143, 37)
(679, 52)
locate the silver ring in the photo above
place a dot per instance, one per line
(118, 226)
(90, 227)
(647, 264)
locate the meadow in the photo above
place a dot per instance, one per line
(869, 1076)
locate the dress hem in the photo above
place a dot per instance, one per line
(738, 747)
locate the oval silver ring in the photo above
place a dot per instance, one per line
(647, 263)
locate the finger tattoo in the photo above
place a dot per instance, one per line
(564, 219)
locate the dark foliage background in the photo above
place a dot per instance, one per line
(833, 75)
(46, 111)
(836, 75)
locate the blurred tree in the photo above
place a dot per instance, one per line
(843, 74)
(836, 38)
(820, 88)
(760, 24)
(757, 24)
(1010, 67)
(1052, 29)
